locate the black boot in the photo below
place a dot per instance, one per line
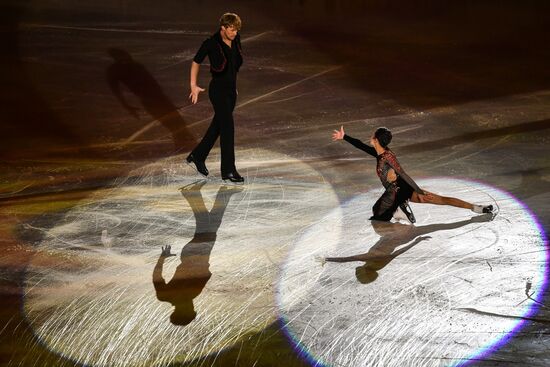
(233, 177)
(408, 211)
(199, 165)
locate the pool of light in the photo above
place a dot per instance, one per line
(447, 300)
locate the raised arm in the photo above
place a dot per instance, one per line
(341, 135)
(392, 161)
(360, 145)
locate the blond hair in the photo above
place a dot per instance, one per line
(231, 20)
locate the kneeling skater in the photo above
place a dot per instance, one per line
(400, 188)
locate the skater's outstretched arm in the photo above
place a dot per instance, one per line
(392, 161)
(340, 134)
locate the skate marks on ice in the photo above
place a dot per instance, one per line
(99, 292)
(450, 289)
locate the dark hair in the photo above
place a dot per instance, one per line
(383, 135)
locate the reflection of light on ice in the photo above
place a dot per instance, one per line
(434, 301)
(97, 304)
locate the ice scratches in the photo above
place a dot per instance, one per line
(100, 307)
(294, 97)
(431, 304)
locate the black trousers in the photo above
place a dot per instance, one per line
(223, 96)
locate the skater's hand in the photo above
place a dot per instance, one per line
(166, 251)
(194, 95)
(338, 134)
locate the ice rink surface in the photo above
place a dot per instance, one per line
(102, 301)
(358, 293)
(116, 253)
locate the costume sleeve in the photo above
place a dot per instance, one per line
(392, 161)
(360, 145)
(201, 53)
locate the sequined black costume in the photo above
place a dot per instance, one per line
(398, 191)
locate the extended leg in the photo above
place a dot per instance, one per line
(431, 198)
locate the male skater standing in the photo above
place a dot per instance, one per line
(225, 55)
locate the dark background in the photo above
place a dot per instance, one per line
(58, 116)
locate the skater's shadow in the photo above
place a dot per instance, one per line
(193, 272)
(392, 236)
(137, 79)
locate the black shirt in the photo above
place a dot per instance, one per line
(224, 60)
